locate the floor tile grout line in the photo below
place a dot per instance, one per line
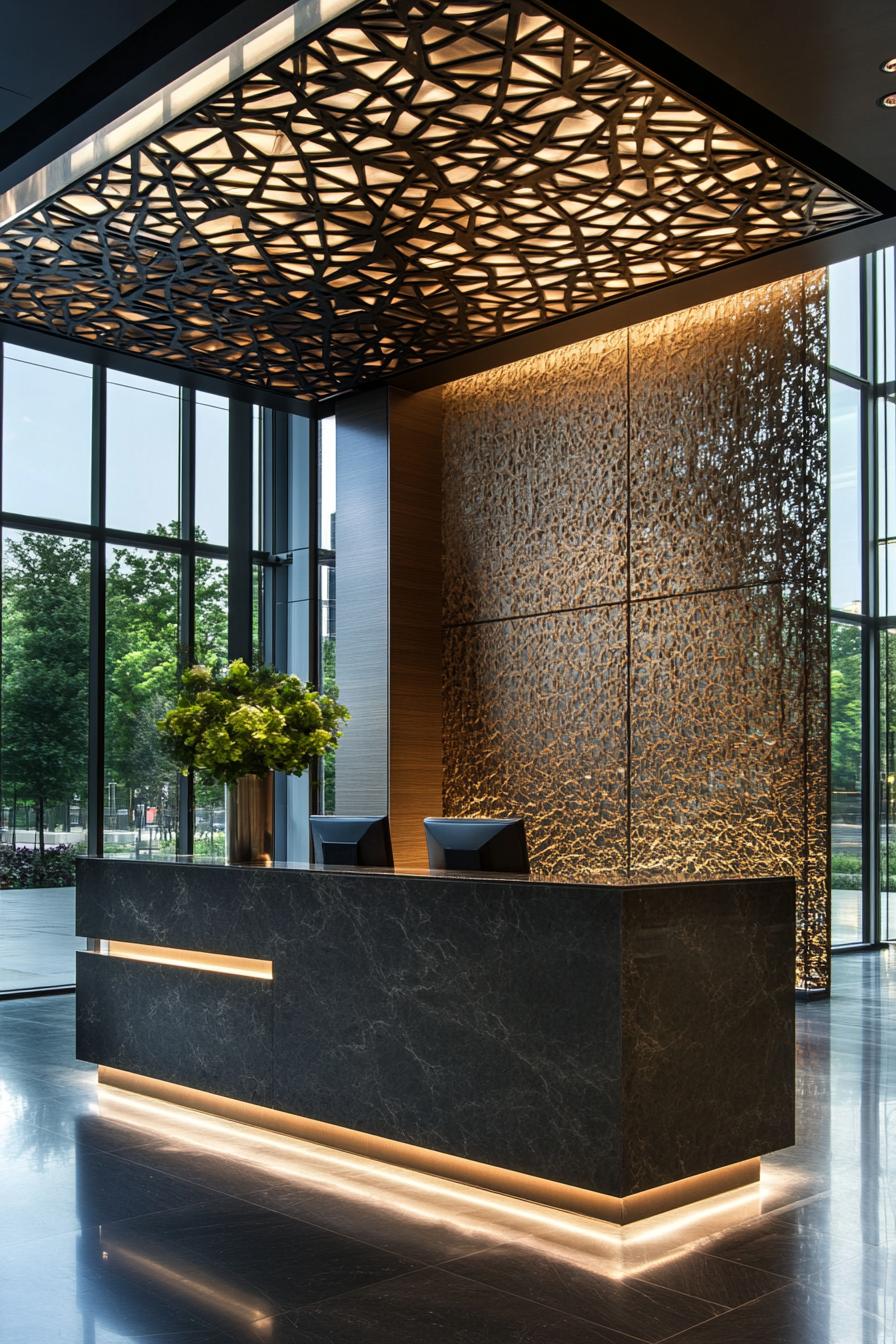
(710, 1301)
(356, 1291)
(417, 1266)
(265, 1208)
(595, 1325)
(692, 1329)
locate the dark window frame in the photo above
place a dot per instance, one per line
(245, 563)
(872, 623)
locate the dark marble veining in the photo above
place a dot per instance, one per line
(479, 1021)
(605, 1036)
(198, 1028)
(707, 1008)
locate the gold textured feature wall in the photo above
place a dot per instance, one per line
(635, 599)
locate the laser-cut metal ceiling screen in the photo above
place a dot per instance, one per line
(426, 176)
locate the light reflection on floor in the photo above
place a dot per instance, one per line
(124, 1220)
(594, 1244)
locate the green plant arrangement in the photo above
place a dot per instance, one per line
(248, 721)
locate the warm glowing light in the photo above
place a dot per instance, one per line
(428, 1164)
(888, 100)
(536, 152)
(595, 1246)
(198, 961)
(194, 1284)
(176, 98)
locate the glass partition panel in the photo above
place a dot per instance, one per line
(327, 591)
(47, 435)
(257, 474)
(209, 798)
(846, 784)
(212, 469)
(141, 783)
(845, 498)
(885, 316)
(45, 612)
(258, 600)
(887, 799)
(886, 467)
(142, 455)
(845, 316)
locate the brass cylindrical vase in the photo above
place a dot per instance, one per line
(250, 819)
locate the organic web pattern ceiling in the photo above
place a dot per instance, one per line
(426, 176)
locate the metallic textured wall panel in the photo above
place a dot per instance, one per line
(717, 735)
(535, 474)
(716, 429)
(518, 741)
(679, 469)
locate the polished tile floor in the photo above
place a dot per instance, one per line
(37, 945)
(118, 1223)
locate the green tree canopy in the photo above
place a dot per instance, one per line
(846, 707)
(144, 658)
(45, 662)
(45, 665)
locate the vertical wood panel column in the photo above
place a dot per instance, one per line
(415, 627)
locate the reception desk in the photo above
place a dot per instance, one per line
(616, 1046)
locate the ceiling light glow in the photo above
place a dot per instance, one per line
(396, 140)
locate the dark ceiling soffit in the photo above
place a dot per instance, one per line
(674, 297)
(608, 28)
(179, 24)
(69, 347)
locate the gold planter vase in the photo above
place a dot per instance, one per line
(250, 819)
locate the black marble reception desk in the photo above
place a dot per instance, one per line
(613, 1036)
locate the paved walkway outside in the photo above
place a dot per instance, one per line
(37, 942)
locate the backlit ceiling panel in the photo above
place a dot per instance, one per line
(423, 177)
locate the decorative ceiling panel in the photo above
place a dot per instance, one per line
(421, 178)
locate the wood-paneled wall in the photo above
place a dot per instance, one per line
(415, 599)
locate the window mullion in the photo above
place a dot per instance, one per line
(96, 696)
(187, 594)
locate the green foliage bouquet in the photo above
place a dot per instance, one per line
(247, 721)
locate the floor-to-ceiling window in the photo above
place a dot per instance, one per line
(326, 542)
(863, 599)
(117, 516)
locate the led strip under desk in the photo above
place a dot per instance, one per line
(429, 1163)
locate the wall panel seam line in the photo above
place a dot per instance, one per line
(620, 602)
(804, 408)
(628, 600)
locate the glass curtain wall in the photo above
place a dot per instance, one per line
(326, 554)
(115, 516)
(863, 599)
